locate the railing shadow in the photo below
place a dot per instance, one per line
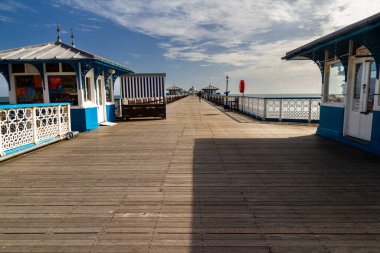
(303, 194)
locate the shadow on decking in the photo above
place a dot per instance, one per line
(303, 194)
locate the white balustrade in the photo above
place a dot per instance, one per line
(32, 124)
(301, 109)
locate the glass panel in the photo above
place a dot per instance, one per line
(67, 68)
(100, 92)
(29, 89)
(372, 85)
(336, 82)
(18, 68)
(357, 87)
(63, 89)
(52, 67)
(87, 89)
(108, 90)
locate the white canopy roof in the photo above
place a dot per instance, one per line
(51, 51)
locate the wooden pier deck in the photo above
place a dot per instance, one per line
(201, 181)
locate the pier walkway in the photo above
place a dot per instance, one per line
(201, 181)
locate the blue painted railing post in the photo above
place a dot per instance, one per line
(280, 116)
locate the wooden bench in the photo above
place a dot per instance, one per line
(144, 108)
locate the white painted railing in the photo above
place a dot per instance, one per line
(299, 109)
(28, 125)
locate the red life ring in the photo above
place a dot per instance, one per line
(242, 86)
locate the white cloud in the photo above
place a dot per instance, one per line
(12, 6)
(5, 19)
(248, 36)
(344, 12)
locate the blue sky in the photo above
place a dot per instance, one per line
(196, 42)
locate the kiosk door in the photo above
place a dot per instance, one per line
(101, 102)
(362, 99)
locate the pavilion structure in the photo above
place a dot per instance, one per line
(57, 72)
(210, 90)
(349, 61)
(174, 90)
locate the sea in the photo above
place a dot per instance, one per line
(5, 100)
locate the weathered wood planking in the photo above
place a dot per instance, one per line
(198, 182)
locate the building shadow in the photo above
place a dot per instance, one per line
(302, 194)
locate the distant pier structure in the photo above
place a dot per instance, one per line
(210, 90)
(174, 91)
(349, 61)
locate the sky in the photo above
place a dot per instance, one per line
(195, 42)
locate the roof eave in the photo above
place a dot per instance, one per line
(340, 35)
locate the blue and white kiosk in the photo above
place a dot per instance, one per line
(57, 72)
(349, 61)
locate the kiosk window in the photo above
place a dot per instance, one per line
(335, 82)
(63, 88)
(29, 89)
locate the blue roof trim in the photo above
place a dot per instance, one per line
(291, 56)
(17, 106)
(339, 35)
(112, 65)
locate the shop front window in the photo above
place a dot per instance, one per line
(29, 89)
(108, 90)
(63, 88)
(335, 82)
(87, 89)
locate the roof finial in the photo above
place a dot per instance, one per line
(72, 38)
(58, 32)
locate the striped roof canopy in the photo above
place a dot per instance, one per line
(210, 87)
(53, 51)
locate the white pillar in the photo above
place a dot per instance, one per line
(80, 86)
(46, 87)
(12, 91)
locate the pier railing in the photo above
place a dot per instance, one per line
(172, 98)
(25, 126)
(297, 109)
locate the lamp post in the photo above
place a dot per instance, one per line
(226, 103)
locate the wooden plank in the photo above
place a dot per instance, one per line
(199, 181)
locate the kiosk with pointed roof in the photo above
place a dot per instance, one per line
(174, 90)
(210, 90)
(58, 72)
(349, 61)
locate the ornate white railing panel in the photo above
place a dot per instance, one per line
(315, 108)
(279, 109)
(273, 109)
(29, 124)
